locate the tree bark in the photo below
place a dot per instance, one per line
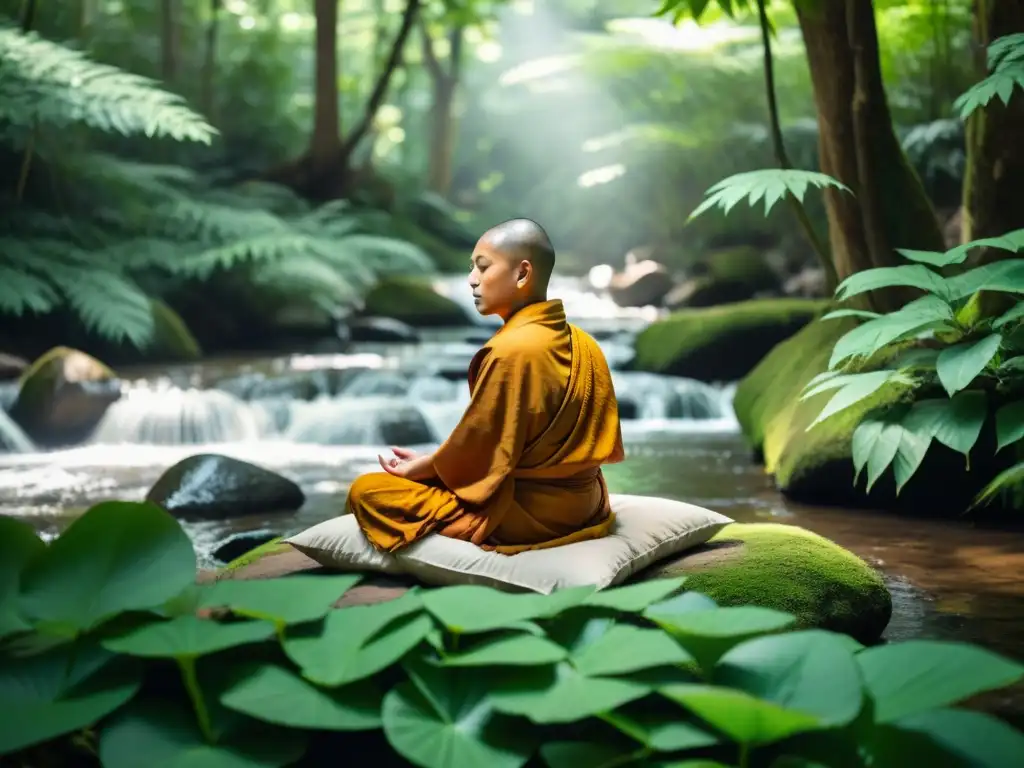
(325, 143)
(995, 139)
(169, 41)
(443, 128)
(209, 72)
(858, 146)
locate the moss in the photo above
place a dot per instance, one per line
(172, 340)
(272, 547)
(742, 265)
(414, 301)
(721, 343)
(794, 570)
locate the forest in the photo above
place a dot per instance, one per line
(233, 237)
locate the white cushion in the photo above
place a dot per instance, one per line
(646, 529)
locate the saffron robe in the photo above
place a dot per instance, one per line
(522, 468)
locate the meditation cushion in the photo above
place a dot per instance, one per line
(646, 529)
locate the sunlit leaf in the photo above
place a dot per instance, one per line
(292, 600)
(960, 364)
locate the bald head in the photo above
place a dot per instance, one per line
(524, 239)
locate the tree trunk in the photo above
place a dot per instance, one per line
(325, 143)
(443, 129)
(207, 86)
(858, 146)
(995, 150)
(169, 41)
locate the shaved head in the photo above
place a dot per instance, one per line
(524, 239)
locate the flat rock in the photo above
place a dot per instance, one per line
(209, 486)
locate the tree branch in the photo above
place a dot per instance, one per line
(430, 60)
(380, 89)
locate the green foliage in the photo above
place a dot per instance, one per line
(769, 184)
(448, 678)
(939, 342)
(1006, 67)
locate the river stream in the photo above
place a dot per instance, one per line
(322, 419)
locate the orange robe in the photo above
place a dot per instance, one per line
(522, 468)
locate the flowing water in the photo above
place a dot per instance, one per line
(322, 419)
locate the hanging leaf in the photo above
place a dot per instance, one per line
(771, 185)
(955, 422)
(960, 364)
(1009, 424)
(118, 556)
(909, 454)
(276, 695)
(358, 642)
(926, 313)
(914, 676)
(904, 276)
(812, 671)
(840, 313)
(443, 718)
(61, 691)
(857, 388)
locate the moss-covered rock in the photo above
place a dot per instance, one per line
(413, 301)
(724, 276)
(789, 569)
(172, 340)
(62, 396)
(720, 343)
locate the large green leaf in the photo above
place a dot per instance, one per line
(635, 597)
(812, 671)
(18, 545)
(914, 676)
(508, 650)
(1010, 424)
(905, 276)
(163, 734)
(276, 695)
(292, 600)
(955, 422)
(1006, 276)
(952, 738)
(61, 691)
(739, 715)
(926, 313)
(625, 648)
(874, 444)
(443, 718)
(960, 364)
(659, 728)
(118, 556)
(688, 602)
(708, 634)
(858, 387)
(561, 694)
(187, 637)
(910, 452)
(467, 609)
(358, 642)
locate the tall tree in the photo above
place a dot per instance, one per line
(445, 76)
(859, 147)
(995, 149)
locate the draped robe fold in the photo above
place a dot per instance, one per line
(521, 470)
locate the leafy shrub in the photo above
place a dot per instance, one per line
(447, 678)
(101, 235)
(1005, 59)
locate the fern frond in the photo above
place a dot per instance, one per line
(43, 83)
(385, 254)
(769, 184)
(22, 292)
(309, 277)
(1006, 64)
(109, 303)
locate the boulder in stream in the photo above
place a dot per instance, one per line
(240, 544)
(11, 367)
(209, 486)
(771, 565)
(63, 396)
(381, 329)
(721, 343)
(413, 301)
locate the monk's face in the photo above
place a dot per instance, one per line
(499, 282)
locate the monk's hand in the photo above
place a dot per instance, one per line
(404, 454)
(415, 468)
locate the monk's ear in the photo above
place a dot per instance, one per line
(523, 273)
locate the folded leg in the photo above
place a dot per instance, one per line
(394, 512)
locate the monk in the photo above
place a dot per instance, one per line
(522, 470)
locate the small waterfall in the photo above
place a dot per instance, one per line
(360, 421)
(12, 438)
(653, 397)
(167, 415)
